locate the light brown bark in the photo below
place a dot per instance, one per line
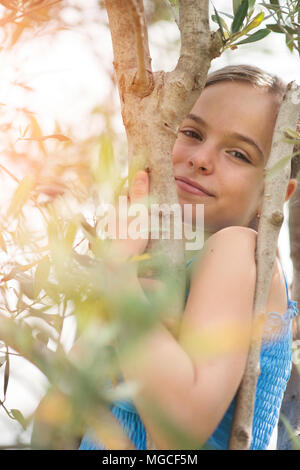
(268, 231)
(291, 402)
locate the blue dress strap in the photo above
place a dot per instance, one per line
(190, 261)
(292, 310)
(286, 288)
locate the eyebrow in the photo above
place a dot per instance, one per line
(235, 135)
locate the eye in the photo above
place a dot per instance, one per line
(240, 156)
(191, 134)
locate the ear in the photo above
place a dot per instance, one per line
(292, 186)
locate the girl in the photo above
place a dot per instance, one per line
(219, 157)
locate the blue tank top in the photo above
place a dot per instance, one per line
(275, 366)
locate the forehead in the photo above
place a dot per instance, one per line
(229, 107)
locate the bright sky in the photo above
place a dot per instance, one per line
(69, 75)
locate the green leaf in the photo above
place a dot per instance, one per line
(255, 22)
(239, 16)
(6, 375)
(275, 8)
(219, 20)
(60, 137)
(26, 285)
(2, 360)
(251, 4)
(271, 172)
(2, 243)
(275, 2)
(104, 168)
(43, 337)
(235, 5)
(52, 319)
(52, 291)
(71, 231)
(226, 14)
(17, 415)
(21, 195)
(19, 28)
(275, 28)
(41, 275)
(295, 440)
(36, 133)
(291, 141)
(89, 228)
(291, 133)
(262, 33)
(289, 29)
(289, 43)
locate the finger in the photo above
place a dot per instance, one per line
(124, 192)
(140, 187)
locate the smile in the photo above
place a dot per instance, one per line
(190, 188)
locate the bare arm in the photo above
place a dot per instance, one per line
(192, 385)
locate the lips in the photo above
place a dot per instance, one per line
(192, 185)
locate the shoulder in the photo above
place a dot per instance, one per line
(222, 284)
(230, 246)
(226, 267)
(231, 235)
(235, 246)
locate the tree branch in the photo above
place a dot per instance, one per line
(299, 28)
(290, 407)
(268, 231)
(143, 83)
(12, 16)
(194, 30)
(198, 47)
(132, 59)
(174, 13)
(294, 225)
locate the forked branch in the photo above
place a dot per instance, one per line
(198, 47)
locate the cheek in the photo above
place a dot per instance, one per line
(245, 190)
(178, 154)
(251, 192)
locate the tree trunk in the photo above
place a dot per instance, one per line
(291, 401)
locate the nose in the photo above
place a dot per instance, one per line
(202, 160)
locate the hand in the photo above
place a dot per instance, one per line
(123, 249)
(133, 244)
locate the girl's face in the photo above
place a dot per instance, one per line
(223, 146)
